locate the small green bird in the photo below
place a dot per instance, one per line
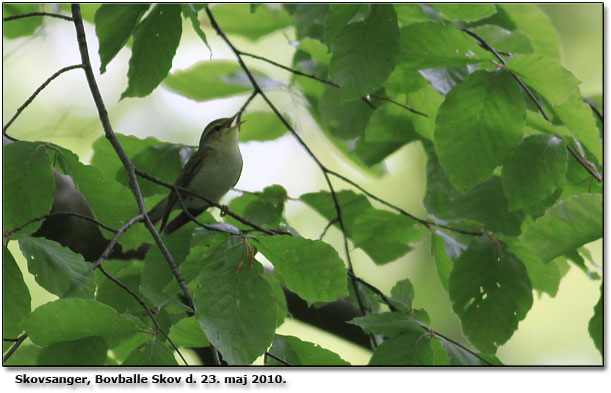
(212, 171)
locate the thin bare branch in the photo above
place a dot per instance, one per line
(223, 208)
(392, 307)
(146, 308)
(113, 241)
(11, 351)
(54, 214)
(589, 167)
(36, 92)
(328, 82)
(129, 166)
(271, 355)
(288, 126)
(31, 14)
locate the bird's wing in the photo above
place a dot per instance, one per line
(193, 166)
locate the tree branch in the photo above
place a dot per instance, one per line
(148, 310)
(324, 170)
(391, 307)
(422, 221)
(271, 355)
(590, 168)
(30, 14)
(328, 82)
(223, 208)
(36, 92)
(115, 238)
(91, 219)
(10, 352)
(129, 166)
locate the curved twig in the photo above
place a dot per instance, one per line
(148, 310)
(18, 342)
(288, 126)
(112, 138)
(113, 241)
(223, 208)
(392, 307)
(36, 92)
(91, 219)
(30, 14)
(329, 82)
(485, 45)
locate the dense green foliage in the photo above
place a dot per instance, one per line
(508, 203)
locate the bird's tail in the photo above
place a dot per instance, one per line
(156, 213)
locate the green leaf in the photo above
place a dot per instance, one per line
(110, 293)
(114, 24)
(544, 277)
(188, 333)
(383, 235)
(155, 43)
(309, 19)
(338, 17)
(57, 269)
(443, 262)
(595, 326)
(156, 274)
(485, 113)
(485, 281)
(211, 79)
(486, 203)
(239, 19)
(545, 75)
(567, 225)
(310, 268)
(241, 326)
(365, 53)
(412, 348)
(534, 171)
(153, 353)
(190, 10)
(16, 300)
(280, 298)
(89, 351)
(577, 116)
(420, 95)
(388, 324)
(72, 319)
(261, 127)
(20, 27)
(163, 161)
(343, 118)
(435, 45)
(504, 40)
(317, 50)
(302, 353)
(465, 12)
(263, 208)
(458, 356)
(27, 181)
(536, 24)
(408, 14)
(402, 294)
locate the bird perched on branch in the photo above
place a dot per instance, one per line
(212, 171)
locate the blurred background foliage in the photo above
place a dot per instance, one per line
(555, 329)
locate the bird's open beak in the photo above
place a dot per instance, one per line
(232, 118)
